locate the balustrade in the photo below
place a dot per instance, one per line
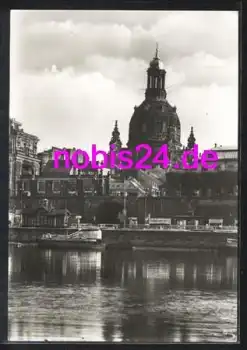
(171, 227)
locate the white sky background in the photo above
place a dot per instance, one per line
(73, 73)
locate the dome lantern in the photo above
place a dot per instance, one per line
(156, 78)
(156, 62)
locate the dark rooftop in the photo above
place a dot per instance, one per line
(61, 171)
(53, 212)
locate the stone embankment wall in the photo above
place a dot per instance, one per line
(194, 239)
(183, 239)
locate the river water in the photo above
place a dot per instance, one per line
(121, 296)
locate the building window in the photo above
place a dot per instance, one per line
(72, 186)
(236, 190)
(26, 151)
(159, 126)
(25, 185)
(209, 192)
(27, 169)
(161, 83)
(41, 186)
(222, 167)
(56, 186)
(231, 166)
(147, 107)
(156, 82)
(43, 219)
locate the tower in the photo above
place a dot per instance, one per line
(156, 75)
(191, 139)
(155, 122)
(115, 146)
(115, 138)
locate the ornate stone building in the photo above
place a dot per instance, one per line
(22, 155)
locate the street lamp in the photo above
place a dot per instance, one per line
(78, 218)
(145, 208)
(21, 191)
(125, 210)
(21, 197)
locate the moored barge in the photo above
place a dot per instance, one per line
(86, 238)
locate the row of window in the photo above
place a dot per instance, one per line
(156, 82)
(42, 220)
(208, 193)
(55, 186)
(22, 144)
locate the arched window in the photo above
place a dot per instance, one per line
(161, 83)
(149, 82)
(156, 82)
(160, 126)
(27, 169)
(41, 186)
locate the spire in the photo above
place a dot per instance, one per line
(115, 139)
(191, 139)
(115, 130)
(157, 51)
(155, 62)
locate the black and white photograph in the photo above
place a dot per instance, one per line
(123, 176)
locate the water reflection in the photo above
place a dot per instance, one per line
(134, 296)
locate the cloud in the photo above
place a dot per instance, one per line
(186, 33)
(63, 107)
(73, 73)
(68, 42)
(206, 69)
(212, 111)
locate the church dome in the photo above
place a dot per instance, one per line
(156, 63)
(156, 120)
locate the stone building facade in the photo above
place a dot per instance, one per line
(208, 183)
(61, 187)
(23, 159)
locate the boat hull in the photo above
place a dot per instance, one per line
(74, 245)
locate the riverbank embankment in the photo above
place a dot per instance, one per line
(126, 238)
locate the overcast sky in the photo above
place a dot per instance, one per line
(73, 73)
